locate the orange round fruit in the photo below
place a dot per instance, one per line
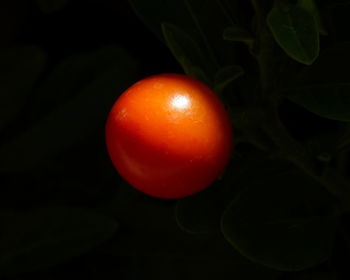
(169, 136)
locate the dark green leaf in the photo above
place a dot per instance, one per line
(50, 6)
(73, 120)
(227, 75)
(46, 237)
(20, 69)
(311, 7)
(330, 101)
(238, 34)
(295, 30)
(196, 18)
(186, 51)
(284, 221)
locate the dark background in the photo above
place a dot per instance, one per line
(148, 243)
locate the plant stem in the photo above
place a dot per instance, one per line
(266, 47)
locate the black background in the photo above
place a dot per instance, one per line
(149, 244)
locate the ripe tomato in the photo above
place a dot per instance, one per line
(169, 136)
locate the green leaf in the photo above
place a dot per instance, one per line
(238, 34)
(20, 69)
(51, 6)
(311, 7)
(185, 50)
(227, 75)
(77, 116)
(295, 30)
(330, 101)
(44, 237)
(284, 221)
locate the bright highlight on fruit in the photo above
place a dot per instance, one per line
(169, 136)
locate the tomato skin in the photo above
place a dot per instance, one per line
(169, 136)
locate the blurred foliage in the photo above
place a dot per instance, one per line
(279, 211)
(48, 236)
(290, 214)
(21, 67)
(89, 83)
(50, 6)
